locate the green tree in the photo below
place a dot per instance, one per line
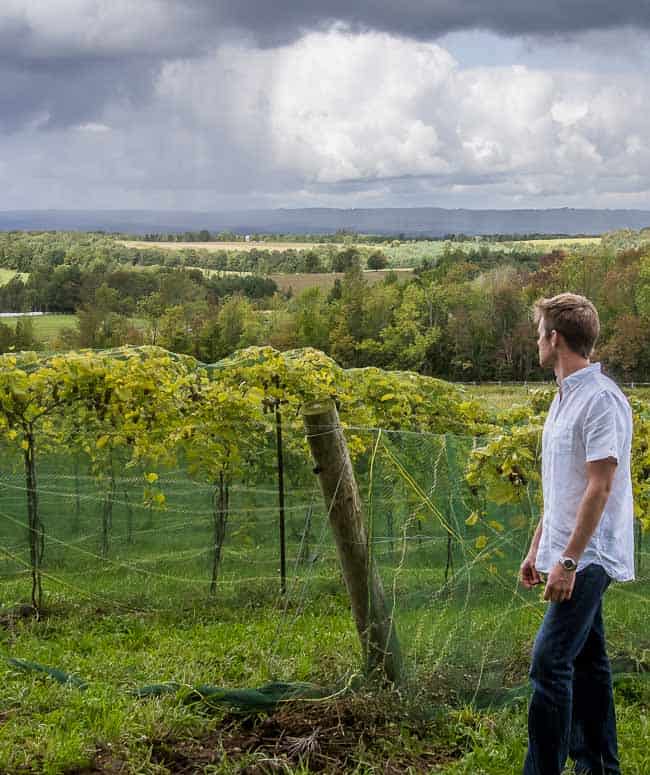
(311, 319)
(377, 260)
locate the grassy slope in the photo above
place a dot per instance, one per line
(48, 728)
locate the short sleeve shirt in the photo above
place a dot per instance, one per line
(590, 419)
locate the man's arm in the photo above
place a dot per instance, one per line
(600, 475)
(528, 572)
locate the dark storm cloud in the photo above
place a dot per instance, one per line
(281, 21)
(59, 71)
(69, 92)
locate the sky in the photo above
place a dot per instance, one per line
(236, 104)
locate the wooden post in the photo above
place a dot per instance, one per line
(374, 621)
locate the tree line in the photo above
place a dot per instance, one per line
(462, 316)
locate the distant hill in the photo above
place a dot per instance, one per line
(412, 221)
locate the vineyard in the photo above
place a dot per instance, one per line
(164, 542)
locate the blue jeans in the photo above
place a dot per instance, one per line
(571, 712)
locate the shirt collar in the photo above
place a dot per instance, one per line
(578, 377)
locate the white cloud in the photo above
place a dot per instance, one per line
(91, 126)
(348, 120)
(568, 113)
(54, 28)
(370, 107)
(351, 106)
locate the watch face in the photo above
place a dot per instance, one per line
(568, 564)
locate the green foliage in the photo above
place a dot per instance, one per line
(464, 315)
(506, 469)
(641, 462)
(377, 260)
(149, 411)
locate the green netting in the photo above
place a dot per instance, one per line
(465, 626)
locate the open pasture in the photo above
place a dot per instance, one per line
(401, 253)
(8, 274)
(412, 252)
(46, 327)
(213, 247)
(499, 397)
(301, 281)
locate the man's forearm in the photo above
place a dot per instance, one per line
(589, 513)
(534, 544)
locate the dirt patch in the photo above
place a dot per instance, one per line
(333, 739)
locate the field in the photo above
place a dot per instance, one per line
(411, 253)
(500, 397)
(300, 281)
(8, 274)
(46, 327)
(213, 247)
(49, 326)
(140, 615)
(401, 253)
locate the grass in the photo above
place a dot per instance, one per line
(46, 327)
(243, 640)
(214, 247)
(411, 253)
(299, 281)
(401, 253)
(7, 274)
(500, 397)
(143, 615)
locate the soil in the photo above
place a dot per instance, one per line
(330, 739)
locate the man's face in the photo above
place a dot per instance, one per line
(545, 350)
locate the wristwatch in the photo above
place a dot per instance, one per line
(568, 563)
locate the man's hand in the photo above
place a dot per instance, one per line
(528, 573)
(559, 584)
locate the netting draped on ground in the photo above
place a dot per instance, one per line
(465, 625)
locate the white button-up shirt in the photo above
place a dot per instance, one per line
(590, 419)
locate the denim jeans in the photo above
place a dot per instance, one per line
(571, 712)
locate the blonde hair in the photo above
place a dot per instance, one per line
(573, 316)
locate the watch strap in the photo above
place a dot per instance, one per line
(568, 563)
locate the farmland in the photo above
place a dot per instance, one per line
(401, 253)
(411, 253)
(130, 539)
(130, 614)
(460, 309)
(213, 247)
(8, 274)
(46, 327)
(300, 281)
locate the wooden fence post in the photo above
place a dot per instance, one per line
(374, 621)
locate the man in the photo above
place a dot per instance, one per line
(584, 541)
